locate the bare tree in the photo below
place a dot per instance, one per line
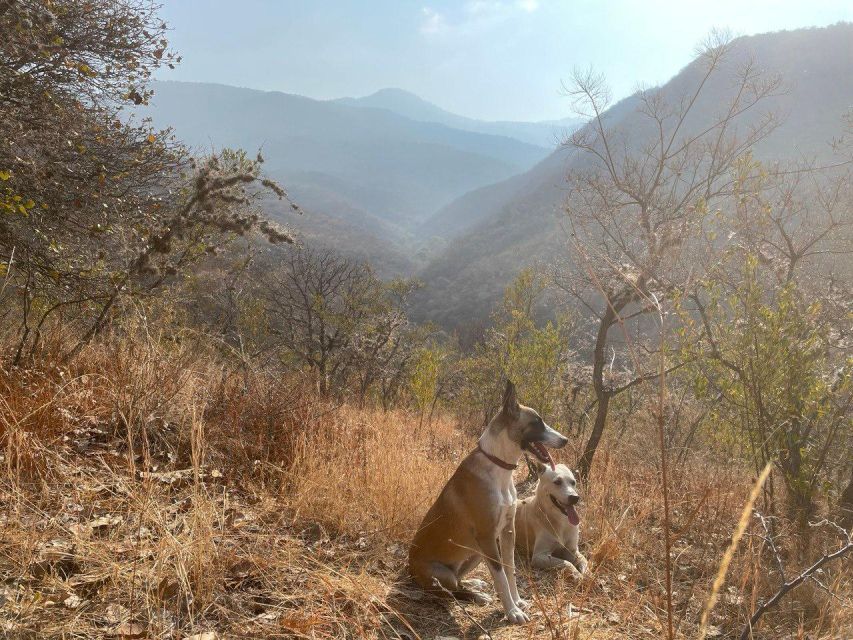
(382, 349)
(335, 316)
(644, 190)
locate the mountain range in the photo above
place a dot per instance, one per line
(464, 204)
(367, 175)
(548, 134)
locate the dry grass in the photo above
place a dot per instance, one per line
(148, 491)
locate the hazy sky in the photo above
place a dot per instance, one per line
(488, 59)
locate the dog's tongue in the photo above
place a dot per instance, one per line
(543, 450)
(574, 520)
(550, 459)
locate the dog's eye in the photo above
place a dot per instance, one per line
(558, 482)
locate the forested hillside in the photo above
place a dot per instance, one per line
(495, 230)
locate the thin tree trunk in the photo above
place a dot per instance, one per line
(845, 505)
(585, 464)
(601, 394)
(96, 326)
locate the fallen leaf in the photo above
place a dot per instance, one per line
(115, 613)
(88, 584)
(167, 589)
(577, 612)
(129, 630)
(269, 616)
(241, 570)
(105, 521)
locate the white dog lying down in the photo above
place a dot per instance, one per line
(546, 523)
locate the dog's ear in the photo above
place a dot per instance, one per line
(510, 402)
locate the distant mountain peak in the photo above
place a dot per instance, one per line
(396, 92)
(412, 106)
(405, 103)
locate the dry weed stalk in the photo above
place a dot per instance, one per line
(730, 552)
(663, 470)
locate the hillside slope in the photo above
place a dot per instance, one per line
(233, 522)
(501, 228)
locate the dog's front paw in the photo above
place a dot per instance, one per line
(581, 563)
(480, 598)
(522, 604)
(517, 616)
(573, 571)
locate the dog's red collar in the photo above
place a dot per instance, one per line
(497, 461)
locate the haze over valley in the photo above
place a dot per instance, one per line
(370, 173)
(464, 204)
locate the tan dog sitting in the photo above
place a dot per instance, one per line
(472, 518)
(547, 523)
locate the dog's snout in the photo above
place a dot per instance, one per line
(573, 500)
(554, 439)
